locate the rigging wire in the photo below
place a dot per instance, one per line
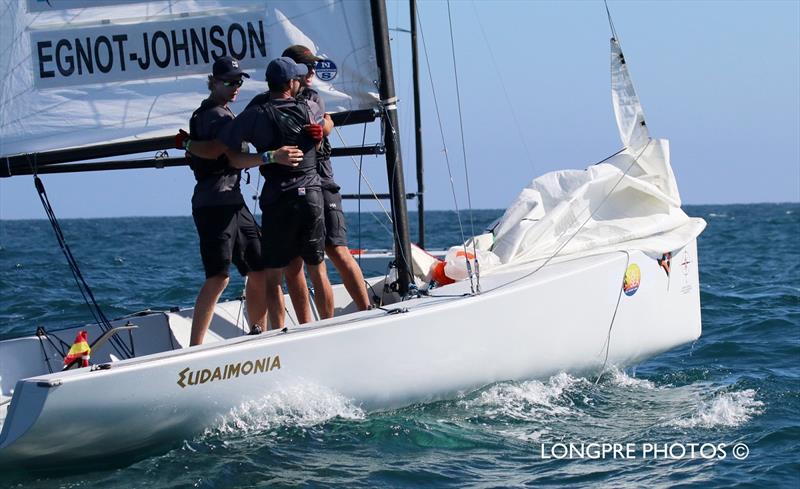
(441, 133)
(611, 23)
(505, 90)
(369, 184)
(464, 153)
(360, 169)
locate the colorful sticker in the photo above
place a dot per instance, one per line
(326, 70)
(633, 276)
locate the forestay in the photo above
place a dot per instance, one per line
(80, 73)
(631, 198)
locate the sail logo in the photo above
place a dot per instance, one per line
(116, 53)
(326, 70)
(633, 277)
(188, 377)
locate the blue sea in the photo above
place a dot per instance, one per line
(722, 412)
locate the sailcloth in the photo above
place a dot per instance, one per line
(631, 198)
(75, 73)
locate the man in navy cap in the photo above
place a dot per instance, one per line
(335, 225)
(228, 232)
(291, 200)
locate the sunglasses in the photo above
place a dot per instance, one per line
(232, 83)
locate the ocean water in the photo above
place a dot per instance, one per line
(687, 414)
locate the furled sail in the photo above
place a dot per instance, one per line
(627, 109)
(631, 198)
(77, 73)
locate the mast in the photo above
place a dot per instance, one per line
(417, 126)
(394, 163)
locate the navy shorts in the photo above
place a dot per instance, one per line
(292, 226)
(335, 224)
(228, 233)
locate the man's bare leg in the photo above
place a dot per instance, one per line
(255, 293)
(351, 274)
(204, 306)
(323, 296)
(275, 310)
(298, 290)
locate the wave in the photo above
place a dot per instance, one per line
(728, 409)
(295, 406)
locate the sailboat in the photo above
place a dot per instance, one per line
(586, 269)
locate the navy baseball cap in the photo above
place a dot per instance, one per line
(283, 69)
(227, 67)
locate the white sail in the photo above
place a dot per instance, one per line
(631, 197)
(75, 75)
(627, 109)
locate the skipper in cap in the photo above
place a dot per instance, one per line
(227, 68)
(227, 229)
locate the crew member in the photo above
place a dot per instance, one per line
(227, 230)
(291, 200)
(335, 224)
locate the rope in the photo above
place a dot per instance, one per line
(607, 345)
(88, 297)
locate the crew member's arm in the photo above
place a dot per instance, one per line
(327, 124)
(204, 149)
(285, 155)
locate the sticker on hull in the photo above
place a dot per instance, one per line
(633, 277)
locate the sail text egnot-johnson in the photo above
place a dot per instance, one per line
(102, 54)
(188, 377)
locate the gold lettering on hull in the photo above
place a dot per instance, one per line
(188, 377)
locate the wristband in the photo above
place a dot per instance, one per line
(186, 144)
(266, 157)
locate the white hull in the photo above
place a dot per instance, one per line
(522, 326)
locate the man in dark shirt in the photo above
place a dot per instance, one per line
(335, 224)
(228, 232)
(291, 199)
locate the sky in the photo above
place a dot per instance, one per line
(719, 79)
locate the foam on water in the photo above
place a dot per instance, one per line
(529, 400)
(294, 406)
(725, 409)
(621, 379)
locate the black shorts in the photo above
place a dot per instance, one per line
(335, 224)
(228, 233)
(293, 226)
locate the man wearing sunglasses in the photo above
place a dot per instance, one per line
(228, 232)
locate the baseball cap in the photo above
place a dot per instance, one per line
(301, 54)
(283, 69)
(227, 67)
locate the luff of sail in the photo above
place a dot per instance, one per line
(118, 71)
